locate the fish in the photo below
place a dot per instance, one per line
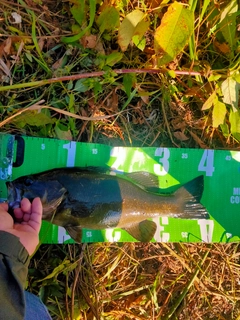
(87, 198)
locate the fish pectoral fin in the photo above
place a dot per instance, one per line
(75, 233)
(144, 231)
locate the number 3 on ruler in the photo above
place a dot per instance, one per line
(206, 163)
(162, 168)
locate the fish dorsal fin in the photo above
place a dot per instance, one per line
(144, 231)
(145, 180)
(75, 233)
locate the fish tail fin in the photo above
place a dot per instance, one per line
(190, 195)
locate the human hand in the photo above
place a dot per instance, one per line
(27, 227)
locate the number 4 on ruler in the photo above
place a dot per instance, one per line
(206, 162)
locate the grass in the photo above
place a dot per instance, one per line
(63, 75)
(138, 281)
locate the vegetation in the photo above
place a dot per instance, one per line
(131, 73)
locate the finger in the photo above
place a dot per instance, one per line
(18, 213)
(4, 206)
(35, 219)
(24, 211)
(26, 205)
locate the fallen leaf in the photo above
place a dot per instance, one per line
(5, 68)
(180, 136)
(89, 41)
(222, 47)
(7, 46)
(58, 64)
(63, 134)
(112, 101)
(198, 140)
(92, 42)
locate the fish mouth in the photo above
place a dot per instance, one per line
(14, 196)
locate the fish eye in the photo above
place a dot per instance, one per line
(28, 182)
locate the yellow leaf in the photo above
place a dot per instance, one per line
(173, 33)
(219, 113)
(209, 102)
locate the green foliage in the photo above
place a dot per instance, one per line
(230, 90)
(80, 17)
(219, 112)
(133, 27)
(227, 24)
(108, 19)
(33, 118)
(195, 43)
(128, 81)
(234, 119)
(173, 33)
(78, 11)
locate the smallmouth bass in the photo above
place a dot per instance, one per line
(77, 198)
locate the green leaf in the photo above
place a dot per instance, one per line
(138, 37)
(219, 113)
(71, 102)
(236, 76)
(108, 19)
(227, 23)
(135, 23)
(81, 86)
(32, 118)
(225, 129)
(129, 79)
(139, 43)
(66, 263)
(171, 73)
(173, 33)
(78, 11)
(92, 12)
(234, 119)
(230, 90)
(214, 77)
(204, 8)
(113, 58)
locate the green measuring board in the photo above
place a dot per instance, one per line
(20, 156)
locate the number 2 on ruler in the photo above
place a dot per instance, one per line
(206, 162)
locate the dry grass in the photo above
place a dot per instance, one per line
(142, 281)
